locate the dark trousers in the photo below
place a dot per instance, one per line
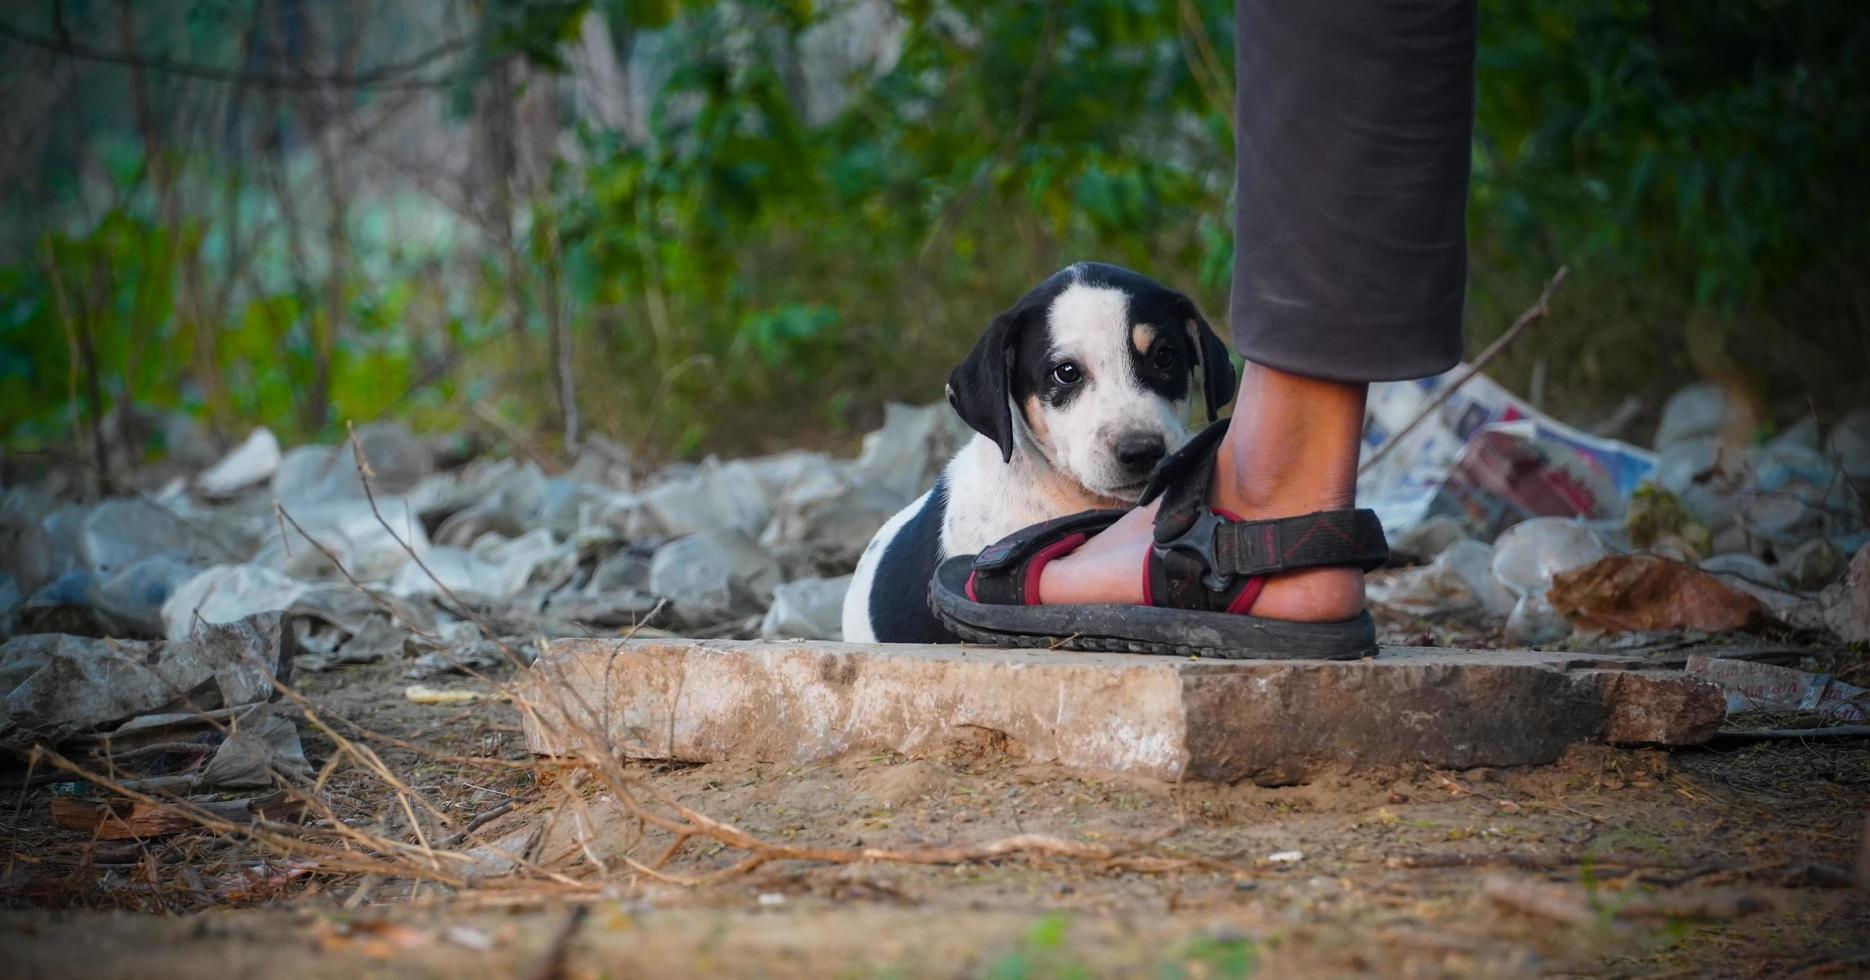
(1354, 121)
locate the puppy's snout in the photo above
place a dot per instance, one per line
(1139, 452)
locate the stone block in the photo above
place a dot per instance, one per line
(1271, 722)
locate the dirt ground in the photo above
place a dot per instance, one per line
(1709, 862)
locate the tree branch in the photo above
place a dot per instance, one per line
(389, 76)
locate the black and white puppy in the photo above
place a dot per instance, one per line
(1075, 393)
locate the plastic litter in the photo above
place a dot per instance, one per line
(348, 529)
(1526, 558)
(720, 495)
(904, 456)
(119, 533)
(807, 609)
(1849, 444)
(53, 686)
(1740, 564)
(249, 464)
(131, 601)
(1813, 565)
(1487, 458)
(1767, 687)
(714, 576)
(1846, 604)
(1459, 582)
(226, 594)
(1703, 410)
(25, 551)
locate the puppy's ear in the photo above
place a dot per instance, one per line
(1218, 380)
(979, 386)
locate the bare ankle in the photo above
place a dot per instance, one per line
(1292, 446)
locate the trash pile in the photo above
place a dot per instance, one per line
(1511, 516)
(197, 599)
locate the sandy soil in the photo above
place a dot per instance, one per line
(1703, 862)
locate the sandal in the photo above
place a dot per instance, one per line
(1200, 580)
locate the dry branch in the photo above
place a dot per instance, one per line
(1539, 310)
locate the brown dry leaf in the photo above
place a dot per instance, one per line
(1642, 592)
(377, 938)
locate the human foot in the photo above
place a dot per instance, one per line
(1291, 450)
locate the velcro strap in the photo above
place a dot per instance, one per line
(1022, 544)
(1326, 538)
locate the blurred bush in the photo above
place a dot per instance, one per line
(759, 255)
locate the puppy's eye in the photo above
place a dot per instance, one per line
(1067, 373)
(1163, 358)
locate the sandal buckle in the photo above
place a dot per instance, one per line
(1198, 540)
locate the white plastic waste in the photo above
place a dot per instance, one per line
(226, 593)
(808, 609)
(1702, 410)
(1526, 557)
(252, 462)
(1459, 581)
(714, 576)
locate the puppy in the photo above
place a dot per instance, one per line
(1076, 393)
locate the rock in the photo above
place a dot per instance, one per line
(53, 686)
(226, 594)
(248, 464)
(1846, 604)
(1812, 565)
(1271, 722)
(714, 576)
(1642, 592)
(808, 609)
(1661, 708)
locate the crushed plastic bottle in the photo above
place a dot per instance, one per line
(1526, 557)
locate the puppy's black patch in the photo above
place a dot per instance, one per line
(899, 608)
(1183, 338)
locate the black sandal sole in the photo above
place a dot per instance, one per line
(1142, 629)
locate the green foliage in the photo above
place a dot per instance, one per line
(761, 268)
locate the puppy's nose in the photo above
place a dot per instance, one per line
(1139, 452)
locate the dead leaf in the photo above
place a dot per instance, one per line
(377, 938)
(1642, 592)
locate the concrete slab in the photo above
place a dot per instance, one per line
(1272, 722)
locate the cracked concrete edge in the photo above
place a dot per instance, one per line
(1269, 722)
